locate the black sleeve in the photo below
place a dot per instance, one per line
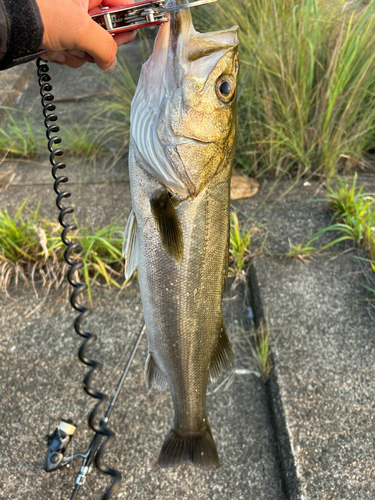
(21, 31)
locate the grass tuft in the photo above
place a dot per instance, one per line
(18, 139)
(102, 256)
(240, 246)
(354, 218)
(112, 114)
(31, 250)
(355, 213)
(300, 251)
(83, 142)
(261, 350)
(29, 246)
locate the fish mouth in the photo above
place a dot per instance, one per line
(180, 52)
(188, 49)
(190, 140)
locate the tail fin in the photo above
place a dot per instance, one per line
(199, 449)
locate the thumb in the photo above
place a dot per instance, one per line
(99, 44)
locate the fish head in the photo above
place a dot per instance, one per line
(190, 84)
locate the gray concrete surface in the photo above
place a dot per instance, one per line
(323, 346)
(12, 82)
(41, 382)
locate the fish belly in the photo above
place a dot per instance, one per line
(182, 304)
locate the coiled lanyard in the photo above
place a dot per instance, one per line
(58, 440)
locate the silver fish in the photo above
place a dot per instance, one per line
(182, 143)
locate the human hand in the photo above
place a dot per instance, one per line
(73, 38)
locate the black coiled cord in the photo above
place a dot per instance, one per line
(96, 450)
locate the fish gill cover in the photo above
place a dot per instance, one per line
(181, 55)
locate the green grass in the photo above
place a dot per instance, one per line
(240, 249)
(102, 256)
(354, 212)
(301, 251)
(31, 250)
(261, 350)
(82, 141)
(19, 139)
(112, 114)
(239, 246)
(305, 251)
(354, 215)
(353, 218)
(29, 245)
(308, 104)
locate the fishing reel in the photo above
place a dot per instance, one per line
(57, 442)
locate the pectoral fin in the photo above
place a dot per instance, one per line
(223, 355)
(167, 222)
(154, 377)
(130, 245)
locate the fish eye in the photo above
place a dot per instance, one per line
(225, 89)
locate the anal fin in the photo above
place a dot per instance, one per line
(154, 377)
(223, 355)
(167, 222)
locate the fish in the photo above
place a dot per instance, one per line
(182, 145)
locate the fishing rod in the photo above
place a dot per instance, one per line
(95, 443)
(58, 441)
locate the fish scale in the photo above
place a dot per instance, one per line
(178, 230)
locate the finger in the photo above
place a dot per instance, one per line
(55, 56)
(94, 4)
(82, 55)
(115, 3)
(99, 44)
(50, 60)
(74, 62)
(66, 58)
(125, 37)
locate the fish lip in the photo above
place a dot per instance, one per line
(191, 140)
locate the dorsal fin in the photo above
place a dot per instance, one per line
(167, 222)
(130, 245)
